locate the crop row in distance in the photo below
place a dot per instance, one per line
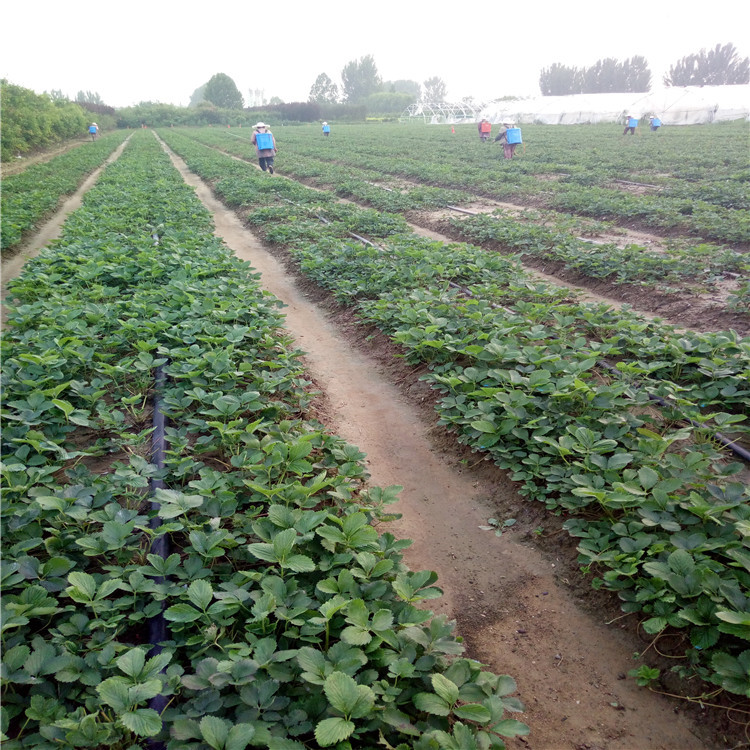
(30, 196)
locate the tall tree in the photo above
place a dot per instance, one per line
(222, 91)
(605, 76)
(360, 79)
(256, 97)
(324, 90)
(89, 97)
(403, 86)
(719, 66)
(560, 80)
(434, 90)
(198, 96)
(637, 74)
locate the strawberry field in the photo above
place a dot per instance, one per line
(190, 558)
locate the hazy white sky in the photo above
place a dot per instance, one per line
(162, 50)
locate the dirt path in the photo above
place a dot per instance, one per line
(517, 613)
(50, 230)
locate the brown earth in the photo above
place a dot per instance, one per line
(520, 602)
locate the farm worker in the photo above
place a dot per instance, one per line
(484, 128)
(654, 122)
(631, 123)
(93, 130)
(510, 137)
(453, 130)
(326, 129)
(265, 145)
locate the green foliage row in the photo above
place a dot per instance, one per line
(30, 196)
(560, 395)
(33, 121)
(291, 621)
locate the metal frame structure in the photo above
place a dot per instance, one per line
(436, 113)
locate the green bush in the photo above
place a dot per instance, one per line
(32, 121)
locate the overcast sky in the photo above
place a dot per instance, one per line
(162, 50)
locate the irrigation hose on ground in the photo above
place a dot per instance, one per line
(721, 438)
(157, 625)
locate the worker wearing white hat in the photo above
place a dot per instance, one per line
(265, 146)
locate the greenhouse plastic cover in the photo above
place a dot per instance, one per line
(688, 105)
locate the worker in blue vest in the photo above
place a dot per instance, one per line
(265, 145)
(326, 129)
(655, 123)
(93, 131)
(510, 137)
(631, 123)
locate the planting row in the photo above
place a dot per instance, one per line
(291, 621)
(32, 195)
(603, 416)
(534, 232)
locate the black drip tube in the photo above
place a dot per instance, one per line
(157, 625)
(721, 438)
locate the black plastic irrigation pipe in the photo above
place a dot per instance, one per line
(723, 439)
(453, 208)
(326, 221)
(157, 625)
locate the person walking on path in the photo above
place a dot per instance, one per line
(485, 129)
(510, 137)
(265, 145)
(93, 131)
(631, 123)
(326, 129)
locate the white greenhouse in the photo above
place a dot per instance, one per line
(688, 105)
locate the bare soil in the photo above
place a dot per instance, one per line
(519, 600)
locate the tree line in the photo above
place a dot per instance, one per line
(719, 66)
(361, 85)
(32, 121)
